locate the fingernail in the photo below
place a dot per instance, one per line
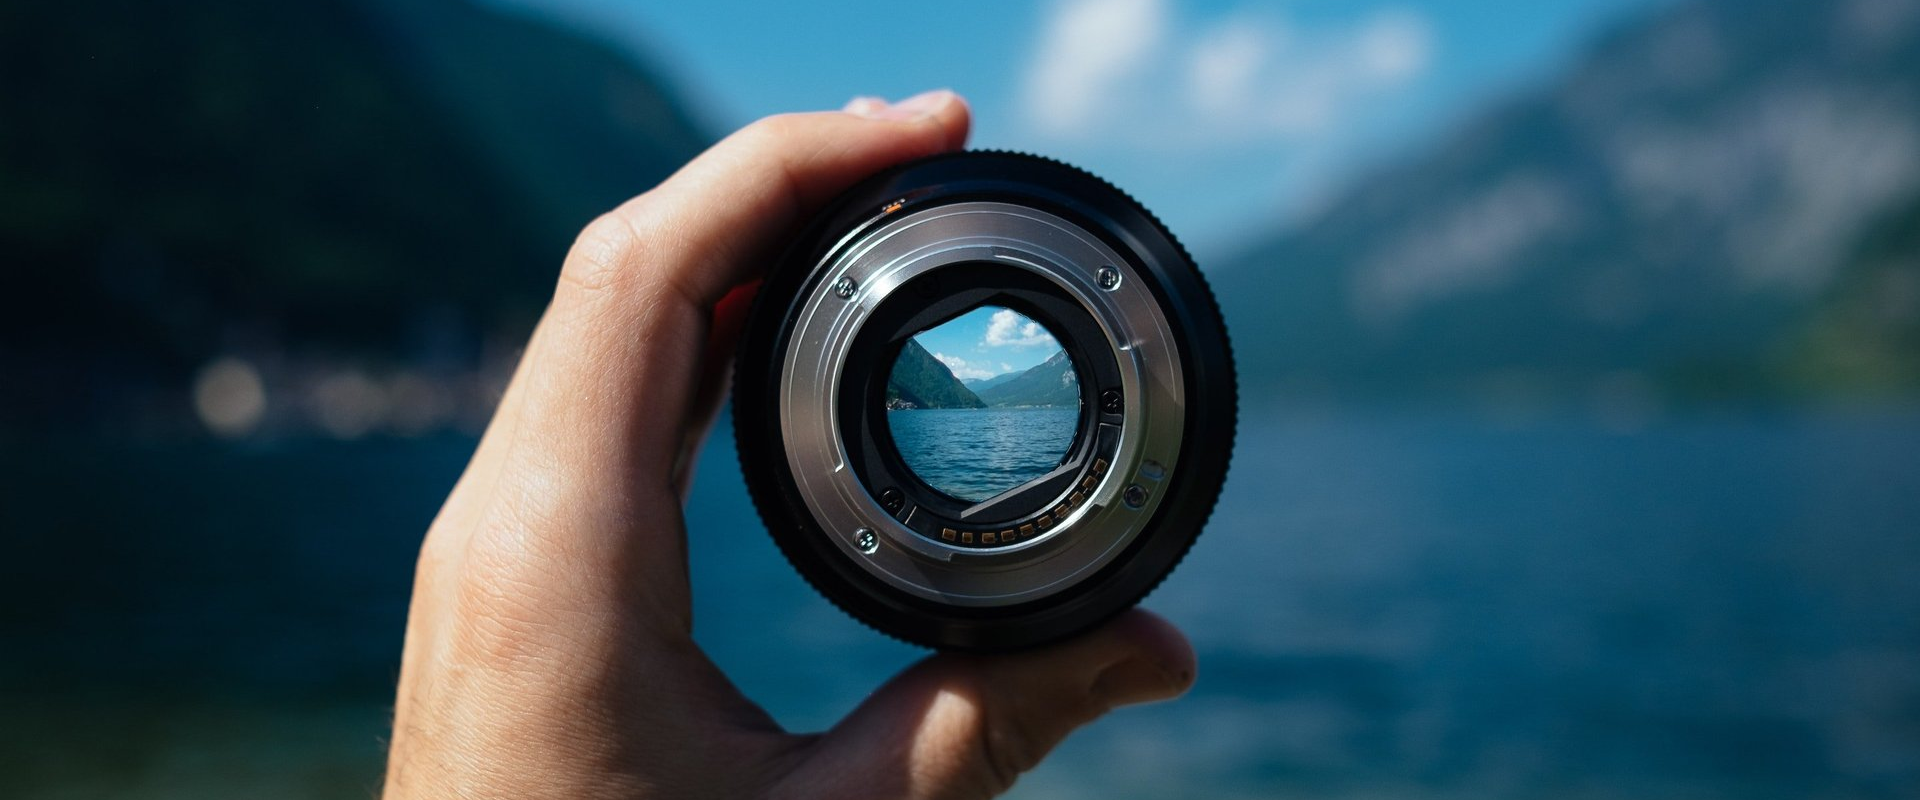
(865, 106)
(1141, 680)
(920, 105)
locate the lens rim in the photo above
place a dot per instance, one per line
(819, 370)
(1199, 340)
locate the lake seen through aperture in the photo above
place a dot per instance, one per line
(976, 453)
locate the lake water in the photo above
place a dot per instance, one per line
(976, 453)
(1384, 605)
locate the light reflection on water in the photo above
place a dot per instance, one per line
(976, 453)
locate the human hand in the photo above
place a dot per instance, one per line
(549, 648)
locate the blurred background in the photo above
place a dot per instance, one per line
(1580, 346)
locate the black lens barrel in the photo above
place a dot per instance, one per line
(872, 209)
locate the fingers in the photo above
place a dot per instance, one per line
(968, 726)
(746, 193)
(618, 355)
(729, 316)
(625, 365)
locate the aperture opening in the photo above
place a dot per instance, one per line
(983, 403)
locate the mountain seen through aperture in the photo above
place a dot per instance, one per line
(972, 426)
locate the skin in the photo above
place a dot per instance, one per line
(549, 648)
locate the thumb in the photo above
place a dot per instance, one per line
(966, 726)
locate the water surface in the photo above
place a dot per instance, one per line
(976, 453)
(1383, 605)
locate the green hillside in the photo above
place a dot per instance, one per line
(1864, 335)
(1050, 383)
(919, 380)
(302, 184)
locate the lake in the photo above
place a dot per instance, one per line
(976, 453)
(1409, 605)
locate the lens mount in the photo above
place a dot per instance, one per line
(920, 245)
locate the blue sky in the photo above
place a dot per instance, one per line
(1228, 119)
(988, 341)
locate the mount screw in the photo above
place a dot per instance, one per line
(844, 287)
(1109, 278)
(1110, 401)
(1135, 495)
(866, 541)
(892, 500)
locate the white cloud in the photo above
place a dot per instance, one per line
(961, 369)
(1251, 77)
(1226, 63)
(1006, 328)
(1393, 46)
(1125, 68)
(1088, 49)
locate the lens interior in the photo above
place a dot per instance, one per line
(983, 403)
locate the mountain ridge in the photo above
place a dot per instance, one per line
(918, 380)
(981, 384)
(1672, 218)
(1051, 383)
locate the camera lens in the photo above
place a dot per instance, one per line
(984, 402)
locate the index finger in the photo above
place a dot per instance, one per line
(610, 378)
(700, 230)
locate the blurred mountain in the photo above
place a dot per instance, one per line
(1719, 202)
(327, 182)
(919, 380)
(1050, 383)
